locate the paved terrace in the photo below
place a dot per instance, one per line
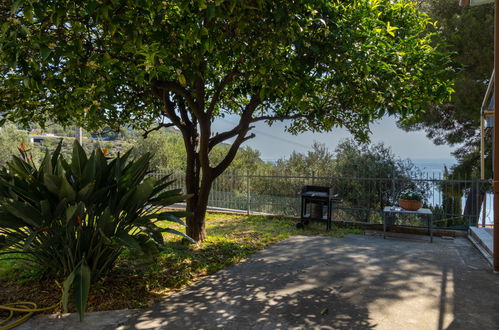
(356, 282)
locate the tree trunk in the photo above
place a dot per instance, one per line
(190, 116)
(474, 201)
(197, 205)
(196, 225)
(196, 228)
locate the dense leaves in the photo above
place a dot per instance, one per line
(411, 195)
(337, 63)
(322, 64)
(358, 164)
(10, 138)
(75, 218)
(469, 35)
(168, 151)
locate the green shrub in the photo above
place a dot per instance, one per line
(411, 195)
(74, 219)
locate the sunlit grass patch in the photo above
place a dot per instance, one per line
(231, 239)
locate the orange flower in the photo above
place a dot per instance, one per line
(105, 151)
(23, 146)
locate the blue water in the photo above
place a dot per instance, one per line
(434, 167)
(426, 165)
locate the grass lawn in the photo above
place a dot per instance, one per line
(231, 238)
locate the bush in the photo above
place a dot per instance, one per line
(371, 177)
(411, 195)
(74, 219)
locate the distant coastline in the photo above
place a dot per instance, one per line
(432, 166)
(428, 166)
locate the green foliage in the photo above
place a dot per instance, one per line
(166, 147)
(10, 140)
(366, 178)
(358, 164)
(411, 195)
(330, 63)
(247, 158)
(75, 218)
(323, 64)
(231, 239)
(318, 162)
(52, 128)
(168, 151)
(279, 193)
(469, 35)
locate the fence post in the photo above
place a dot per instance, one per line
(394, 198)
(248, 192)
(477, 202)
(484, 209)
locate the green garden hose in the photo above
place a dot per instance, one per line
(24, 307)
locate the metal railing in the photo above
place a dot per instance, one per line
(456, 204)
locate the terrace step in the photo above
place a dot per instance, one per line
(482, 239)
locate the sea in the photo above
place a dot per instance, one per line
(428, 166)
(433, 167)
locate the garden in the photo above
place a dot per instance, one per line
(98, 226)
(231, 239)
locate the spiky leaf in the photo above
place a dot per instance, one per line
(81, 287)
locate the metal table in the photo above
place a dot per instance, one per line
(320, 196)
(426, 213)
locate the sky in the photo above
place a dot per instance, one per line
(274, 143)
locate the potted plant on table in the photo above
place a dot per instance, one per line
(410, 200)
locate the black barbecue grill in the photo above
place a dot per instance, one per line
(316, 204)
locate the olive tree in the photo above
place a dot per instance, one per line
(318, 63)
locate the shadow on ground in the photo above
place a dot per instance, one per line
(356, 282)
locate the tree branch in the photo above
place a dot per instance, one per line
(200, 93)
(175, 87)
(216, 96)
(169, 107)
(241, 136)
(244, 122)
(272, 118)
(220, 137)
(231, 154)
(157, 128)
(183, 112)
(246, 138)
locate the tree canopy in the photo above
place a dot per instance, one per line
(469, 35)
(321, 64)
(336, 63)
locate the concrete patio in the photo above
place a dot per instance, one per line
(356, 282)
(483, 240)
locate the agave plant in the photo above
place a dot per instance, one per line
(74, 219)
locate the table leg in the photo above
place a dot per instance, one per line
(430, 225)
(330, 205)
(384, 224)
(303, 207)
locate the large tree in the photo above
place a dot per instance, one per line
(469, 35)
(321, 64)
